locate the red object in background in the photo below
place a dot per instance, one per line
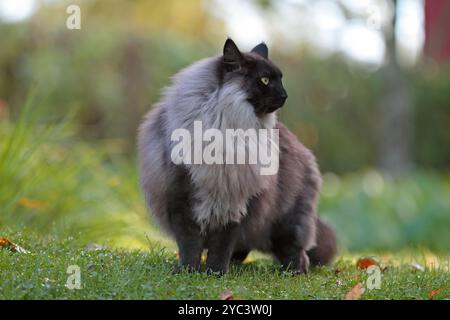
(437, 30)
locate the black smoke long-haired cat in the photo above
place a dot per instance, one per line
(230, 209)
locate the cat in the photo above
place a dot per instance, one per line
(231, 209)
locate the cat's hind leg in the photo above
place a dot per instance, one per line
(293, 235)
(325, 249)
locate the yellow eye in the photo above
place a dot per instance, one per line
(265, 80)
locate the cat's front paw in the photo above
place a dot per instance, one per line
(297, 264)
(216, 268)
(303, 264)
(216, 273)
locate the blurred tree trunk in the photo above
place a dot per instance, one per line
(394, 112)
(134, 84)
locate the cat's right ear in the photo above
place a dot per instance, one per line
(232, 57)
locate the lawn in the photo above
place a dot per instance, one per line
(146, 274)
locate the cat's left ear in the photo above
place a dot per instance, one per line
(262, 50)
(232, 57)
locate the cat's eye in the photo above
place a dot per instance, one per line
(265, 80)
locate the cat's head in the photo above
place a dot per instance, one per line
(259, 77)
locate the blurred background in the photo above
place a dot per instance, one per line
(369, 93)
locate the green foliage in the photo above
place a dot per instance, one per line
(432, 118)
(112, 76)
(374, 211)
(53, 183)
(331, 108)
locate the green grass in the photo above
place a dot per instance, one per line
(122, 274)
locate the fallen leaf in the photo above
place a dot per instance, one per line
(355, 293)
(364, 263)
(226, 295)
(432, 293)
(7, 244)
(31, 204)
(337, 271)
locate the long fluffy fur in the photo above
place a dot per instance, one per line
(264, 205)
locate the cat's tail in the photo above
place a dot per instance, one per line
(325, 250)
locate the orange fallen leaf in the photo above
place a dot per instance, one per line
(432, 293)
(355, 293)
(226, 295)
(7, 244)
(364, 263)
(31, 204)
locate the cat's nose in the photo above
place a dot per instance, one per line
(284, 95)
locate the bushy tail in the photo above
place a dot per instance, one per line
(325, 250)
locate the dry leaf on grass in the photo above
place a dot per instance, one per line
(366, 262)
(355, 293)
(432, 293)
(7, 244)
(226, 295)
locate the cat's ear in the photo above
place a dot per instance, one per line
(262, 50)
(232, 57)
